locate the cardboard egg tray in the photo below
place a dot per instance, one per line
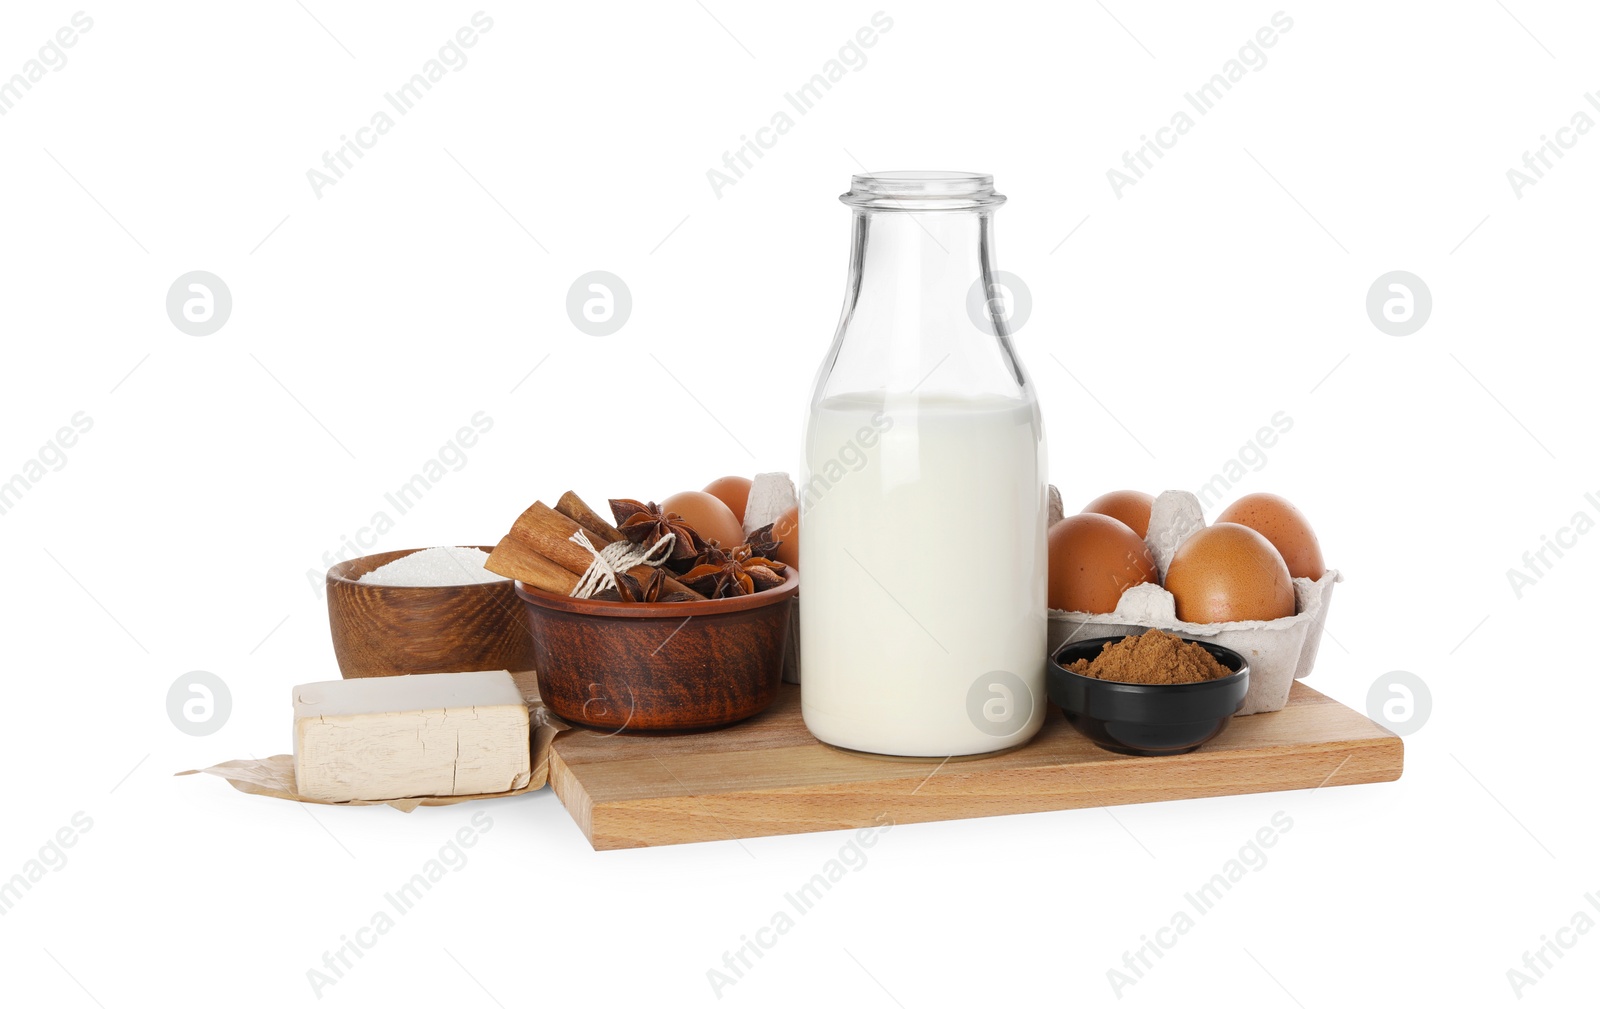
(1279, 651)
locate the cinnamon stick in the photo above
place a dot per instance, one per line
(550, 521)
(513, 558)
(544, 531)
(574, 508)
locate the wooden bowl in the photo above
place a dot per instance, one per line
(659, 667)
(390, 630)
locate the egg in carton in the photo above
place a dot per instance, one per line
(1279, 651)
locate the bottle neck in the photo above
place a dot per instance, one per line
(919, 302)
(920, 265)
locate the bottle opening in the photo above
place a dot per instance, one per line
(922, 191)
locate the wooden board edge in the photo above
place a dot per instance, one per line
(576, 798)
(692, 818)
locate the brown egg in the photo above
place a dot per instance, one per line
(733, 491)
(1282, 524)
(1092, 559)
(1130, 507)
(787, 531)
(712, 519)
(1229, 572)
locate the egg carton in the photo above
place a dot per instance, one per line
(772, 494)
(1279, 651)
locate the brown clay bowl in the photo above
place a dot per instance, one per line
(659, 667)
(391, 630)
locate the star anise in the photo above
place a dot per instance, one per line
(654, 590)
(720, 574)
(763, 543)
(647, 524)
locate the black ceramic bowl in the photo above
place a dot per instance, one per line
(1147, 719)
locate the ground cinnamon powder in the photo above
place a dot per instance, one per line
(1152, 657)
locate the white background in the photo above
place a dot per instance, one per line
(372, 322)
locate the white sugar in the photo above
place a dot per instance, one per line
(435, 566)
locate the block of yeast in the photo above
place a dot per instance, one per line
(392, 737)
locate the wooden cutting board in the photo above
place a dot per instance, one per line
(770, 776)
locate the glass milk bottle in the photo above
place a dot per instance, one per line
(924, 496)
